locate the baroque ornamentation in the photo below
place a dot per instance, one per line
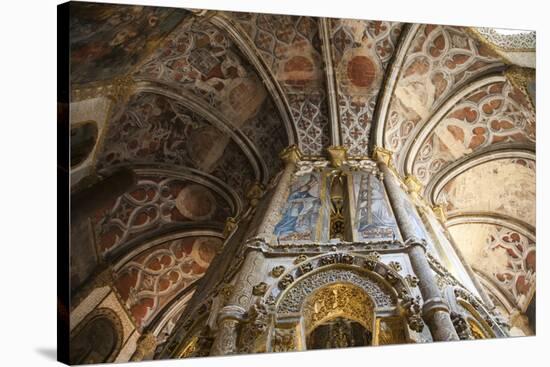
(338, 300)
(284, 340)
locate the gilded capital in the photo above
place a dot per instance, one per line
(337, 155)
(439, 211)
(230, 225)
(413, 184)
(291, 154)
(146, 345)
(383, 155)
(255, 193)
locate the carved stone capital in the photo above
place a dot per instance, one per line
(233, 312)
(255, 193)
(440, 213)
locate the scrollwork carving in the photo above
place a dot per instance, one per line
(284, 340)
(254, 328)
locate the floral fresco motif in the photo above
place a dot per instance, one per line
(506, 256)
(158, 130)
(439, 60)
(151, 279)
(156, 202)
(291, 48)
(361, 50)
(496, 114)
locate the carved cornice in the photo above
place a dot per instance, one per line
(521, 78)
(117, 89)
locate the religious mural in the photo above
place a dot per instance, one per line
(301, 212)
(407, 173)
(374, 215)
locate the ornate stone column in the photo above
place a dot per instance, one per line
(226, 339)
(435, 310)
(290, 157)
(238, 303)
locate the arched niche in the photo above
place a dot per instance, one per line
(338, 315)
(368, 293)
(97, 339)
(479, 327)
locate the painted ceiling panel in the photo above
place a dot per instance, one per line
(506, 256)
(154, 277)
(495, 114)
(505, 186)
(439, 60)
(110, 40)
(290, 47)
(361, 51)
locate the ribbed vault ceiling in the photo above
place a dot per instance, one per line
(216, 95)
